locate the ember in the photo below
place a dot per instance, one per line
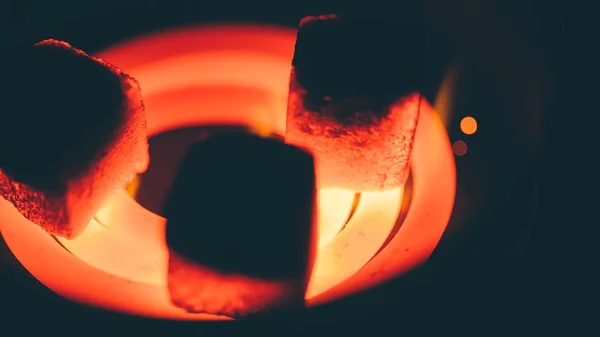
(85, 135)
(132, 278)
(355, 101)
(240, 221)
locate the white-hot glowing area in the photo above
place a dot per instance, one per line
(129, 241)
(234, 75)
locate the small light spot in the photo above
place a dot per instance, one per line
(459, 148)
(134, 186)
(261, 131)
(468, 125)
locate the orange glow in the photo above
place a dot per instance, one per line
(334, 206)
(468, 125)
(199, 289)
(444, 99)
(459, 148)
(127, 258)
(67, 209)
(372, 155)
(256, 57)
(370, 226)
(434, 181)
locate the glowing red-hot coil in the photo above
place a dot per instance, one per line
(252, 56)
(370, 155)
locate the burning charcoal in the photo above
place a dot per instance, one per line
(240, 220)
(74, 130)
(354, 99)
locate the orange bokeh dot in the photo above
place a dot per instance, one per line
(459, 148)
(468, 125)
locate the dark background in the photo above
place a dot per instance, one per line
(499, 265)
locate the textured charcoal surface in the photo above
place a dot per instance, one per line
(243, 204)
(367, 152)
(198, 289)
(354, 99)
(77, 132)
(240, 225)
(63, 108)
(362, 61)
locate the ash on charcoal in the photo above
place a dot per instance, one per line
(354, 99)
(77, 133)
(240, 225)
(198, 289)
(366, 152)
